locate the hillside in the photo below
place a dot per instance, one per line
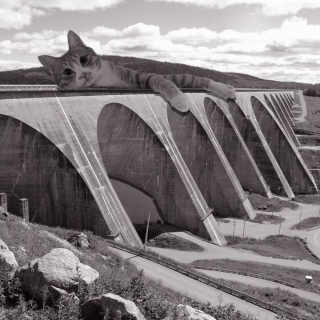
(238, 80)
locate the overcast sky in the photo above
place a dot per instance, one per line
(274, 39)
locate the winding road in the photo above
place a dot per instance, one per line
(191, 287)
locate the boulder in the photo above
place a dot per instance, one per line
(185, 312)
(110, 305)
(3, 214)
(79, 239)
(59, 270)
(7, 258)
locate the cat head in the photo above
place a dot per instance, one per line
(77, 68)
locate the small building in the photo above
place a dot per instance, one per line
(309, 279)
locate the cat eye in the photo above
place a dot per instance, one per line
(83, 60)
(67, 72)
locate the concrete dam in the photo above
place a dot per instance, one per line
(65, 151)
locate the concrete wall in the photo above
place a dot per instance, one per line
(188, 164)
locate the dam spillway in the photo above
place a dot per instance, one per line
(59, 149)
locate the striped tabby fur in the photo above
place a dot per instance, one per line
(81, 67)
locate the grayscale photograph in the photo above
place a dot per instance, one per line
(159, 160)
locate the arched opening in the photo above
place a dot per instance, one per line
(33, 167)
(288, 160)
(132, 153)
(256, 147)
(138, 204)
(234, 148)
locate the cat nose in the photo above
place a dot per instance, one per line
(85, 74)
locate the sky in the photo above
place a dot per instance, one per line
(274, 39)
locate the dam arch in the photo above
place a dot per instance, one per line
(290, 162)
(284, 110)
(33, 167)
(155, 205)
(132, 151)
(256, 145)
(221, 191)
(282, 113)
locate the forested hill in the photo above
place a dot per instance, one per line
(40, 76)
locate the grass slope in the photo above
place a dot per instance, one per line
(30, 241)
(294, 276)
(283, 247)
(173, 242)
(274, 204)
(307, 223)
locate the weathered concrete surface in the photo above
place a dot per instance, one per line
(275, 108)
(148, 148)
(69, 120)
(132, 153)
(287, 156)
(287, 96)
(152, 109)
(287, 106)
(34, 168)
(286, 118)
(284, 109)
(208, 164)
(260, 150)
(234, 147)
(298, 176)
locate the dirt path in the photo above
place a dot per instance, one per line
(193, 288)
(256, 282)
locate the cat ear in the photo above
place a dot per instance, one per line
(48, 62)
(74, 40)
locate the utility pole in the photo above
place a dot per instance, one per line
(319, 214)
(146, 237)
(300, 217)
(280, 227)
(234, 225)
(244, 227)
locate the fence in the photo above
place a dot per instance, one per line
(206, 280)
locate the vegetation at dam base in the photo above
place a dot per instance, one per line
(290, 275)
(30, 241)
(275, 246)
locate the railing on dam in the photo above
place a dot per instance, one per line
(51, 87)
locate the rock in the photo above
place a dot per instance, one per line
(3, 214)
(3, 246)
(185, 312)
(59, 268)
(57, 293)
(110, 305)
(79, 239)
(7, 259)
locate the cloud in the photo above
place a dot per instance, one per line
(16, 14)
(289, 52)
(6, 65)
(18, 17)
(134, 31)
(71, 5)
(192, 36)
(270, 8)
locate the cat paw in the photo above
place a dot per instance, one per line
(180, 102)
(223, 91)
